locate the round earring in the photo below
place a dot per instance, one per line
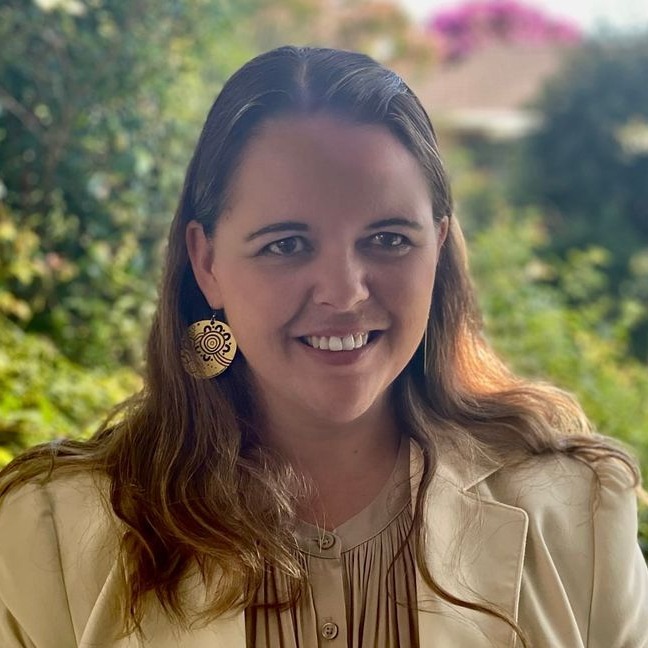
(208, 348)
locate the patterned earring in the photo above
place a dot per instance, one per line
(208, 348)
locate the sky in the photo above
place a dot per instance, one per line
(590, 15)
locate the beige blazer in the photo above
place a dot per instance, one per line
(541, 542)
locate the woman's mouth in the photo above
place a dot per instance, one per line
(348, 342)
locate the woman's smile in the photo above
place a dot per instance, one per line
(344, 342)
(340, 350)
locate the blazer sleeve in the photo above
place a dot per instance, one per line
(619, 595)
(34, 610)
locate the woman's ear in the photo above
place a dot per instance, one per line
(442, 232)
(201, 255)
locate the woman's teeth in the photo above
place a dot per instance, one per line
(335, 343)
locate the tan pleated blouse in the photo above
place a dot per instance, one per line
(356, 597)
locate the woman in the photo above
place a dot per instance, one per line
(363, 471)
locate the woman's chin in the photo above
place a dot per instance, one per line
(345, 409)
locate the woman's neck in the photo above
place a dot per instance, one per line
(347, 464)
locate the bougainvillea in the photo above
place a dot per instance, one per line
(463, 29)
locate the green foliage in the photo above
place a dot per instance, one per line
(587, 166)
(45, 396)
(556, 320)
(100, 103)
(533, 325)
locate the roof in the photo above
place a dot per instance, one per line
(492, 89)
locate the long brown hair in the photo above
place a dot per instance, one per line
(188, 475)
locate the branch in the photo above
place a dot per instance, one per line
(31, 122)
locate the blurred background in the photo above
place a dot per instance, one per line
(541, 108)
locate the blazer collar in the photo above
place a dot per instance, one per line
(475, 550)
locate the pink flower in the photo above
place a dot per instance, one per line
(469, 26)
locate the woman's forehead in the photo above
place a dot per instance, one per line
(334, 139)
(321, 158)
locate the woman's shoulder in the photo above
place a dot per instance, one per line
(549, 477)
(558, 479)
(574, 507)
(581, 548)
(57, 525)
(76, 502)
(58, 544)
(554, 489)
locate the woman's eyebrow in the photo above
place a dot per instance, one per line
(397, 221)
(296, 226)
(283, 226)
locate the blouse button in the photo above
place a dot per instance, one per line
(326, 541)
(329, 630)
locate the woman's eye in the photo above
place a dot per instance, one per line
(286, 247)
(390, 241)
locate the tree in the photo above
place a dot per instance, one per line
(100, 103)
(587, 167)
(534, 327)
(530, 310)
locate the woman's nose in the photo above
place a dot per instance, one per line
(340, 281)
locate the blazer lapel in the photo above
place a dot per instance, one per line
(474, 550)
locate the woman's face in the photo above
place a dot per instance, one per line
(324, 263)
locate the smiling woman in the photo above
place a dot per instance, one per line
(326, 451)
(328, 234)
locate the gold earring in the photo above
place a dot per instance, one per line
(208, 348)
